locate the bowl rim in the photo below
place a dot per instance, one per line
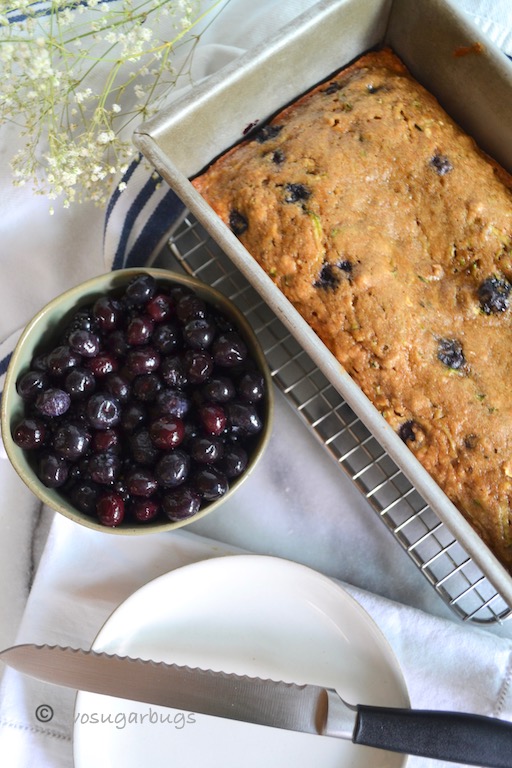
(82, 294)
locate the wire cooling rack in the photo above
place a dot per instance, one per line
(441, 559)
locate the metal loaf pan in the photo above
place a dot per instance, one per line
(476, 89)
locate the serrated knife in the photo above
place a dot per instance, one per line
(451, 736)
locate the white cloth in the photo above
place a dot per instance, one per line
(445, 665)
(291, 507)
(492, 17)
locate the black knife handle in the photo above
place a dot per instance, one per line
(451, 736)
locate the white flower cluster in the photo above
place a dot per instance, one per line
(76, 76)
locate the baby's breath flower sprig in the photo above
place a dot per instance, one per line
(77, 76)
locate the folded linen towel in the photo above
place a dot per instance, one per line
(445, 665)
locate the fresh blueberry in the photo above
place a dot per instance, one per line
(146, 387)
(103, 410)
(219, 389)
(173, 468)
(84, 342)
(167, 432)
(79, 383)
(160, 307)
(145, 510)
(71, 441)
(107, 440)
(173, 371)
(210, 483)
(134, 416)
(212, 417)
(181, 503)
(142, 448)
(109, 313)
(199, 332)
(62, 359)
(251, 387)
(243, 419)
(84, 495)
(229, 349)
(173, 402)
(31, 384)
(104, 468)
(167, 338)
(141, 481)
(190, 307)
(206, 450)
(141, 289)
(234, 460)
(53, 470)
(139, 330)
(53, 402)
(142, 360)
(29, 433)
(110, 508)
(199, 365)
(102, 365)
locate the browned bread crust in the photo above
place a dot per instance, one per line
(391, 233)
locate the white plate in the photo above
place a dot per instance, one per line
(248, 614)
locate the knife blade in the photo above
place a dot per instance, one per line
(450, 736)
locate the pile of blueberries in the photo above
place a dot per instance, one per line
(147, 408)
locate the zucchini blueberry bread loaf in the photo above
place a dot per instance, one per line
(391, 233)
